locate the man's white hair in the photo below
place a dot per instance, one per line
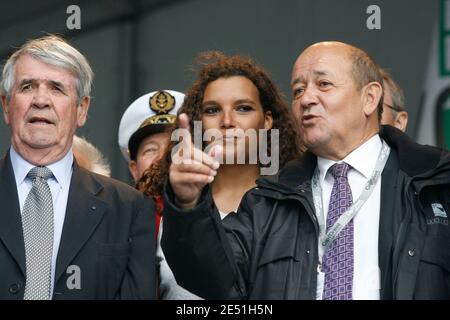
(55, 51)
(97, 162)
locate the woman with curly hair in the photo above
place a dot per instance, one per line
(224, 75)
(231, 94)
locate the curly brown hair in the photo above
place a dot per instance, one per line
(152, 181)
(212, 66)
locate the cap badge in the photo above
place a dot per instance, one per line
(162, 102)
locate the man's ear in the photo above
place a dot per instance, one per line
(372, 93)
(82, 111)
(132, 166)
(5, 107)
(401, 120)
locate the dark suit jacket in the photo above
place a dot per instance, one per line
(107, 248)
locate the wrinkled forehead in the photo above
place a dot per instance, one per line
(29, 67)
(316, 62)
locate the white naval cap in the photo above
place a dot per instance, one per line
(147, 115)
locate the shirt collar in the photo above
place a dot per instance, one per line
(61, 169)
(362, 159)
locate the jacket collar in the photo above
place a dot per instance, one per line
(11, 233)
(84, 212)
(295, 174)
(414, 159)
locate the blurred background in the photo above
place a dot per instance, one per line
(138, 46)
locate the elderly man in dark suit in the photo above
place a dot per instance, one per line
(65, 233)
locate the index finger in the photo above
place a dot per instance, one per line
(186, 143)
(189, 150)
(183, 121)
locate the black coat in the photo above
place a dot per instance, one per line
(108, 232)
(269, 249)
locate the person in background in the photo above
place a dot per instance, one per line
(144, 134)
(394, 111)
(89, 157)
(65, 232)
(142, 130)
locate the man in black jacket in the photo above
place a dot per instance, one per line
(363, 214)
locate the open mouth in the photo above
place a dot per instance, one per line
(40, 121)
(309, 119)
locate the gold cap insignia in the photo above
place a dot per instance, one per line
(162, 102)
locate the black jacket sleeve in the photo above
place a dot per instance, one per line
(197, 248)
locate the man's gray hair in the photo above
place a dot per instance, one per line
(97, 162)
(55, 51)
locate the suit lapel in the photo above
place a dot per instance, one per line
(83, 213)
(11, 233)
(387, 212)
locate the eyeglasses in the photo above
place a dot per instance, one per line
(395, 108)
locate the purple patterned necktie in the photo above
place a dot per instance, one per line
(338, 258)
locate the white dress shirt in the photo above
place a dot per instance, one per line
(223, 215)
(366, 274)
(59, 186)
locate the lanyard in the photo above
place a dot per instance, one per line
(326, 238)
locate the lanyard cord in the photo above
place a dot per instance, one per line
(326, 238)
